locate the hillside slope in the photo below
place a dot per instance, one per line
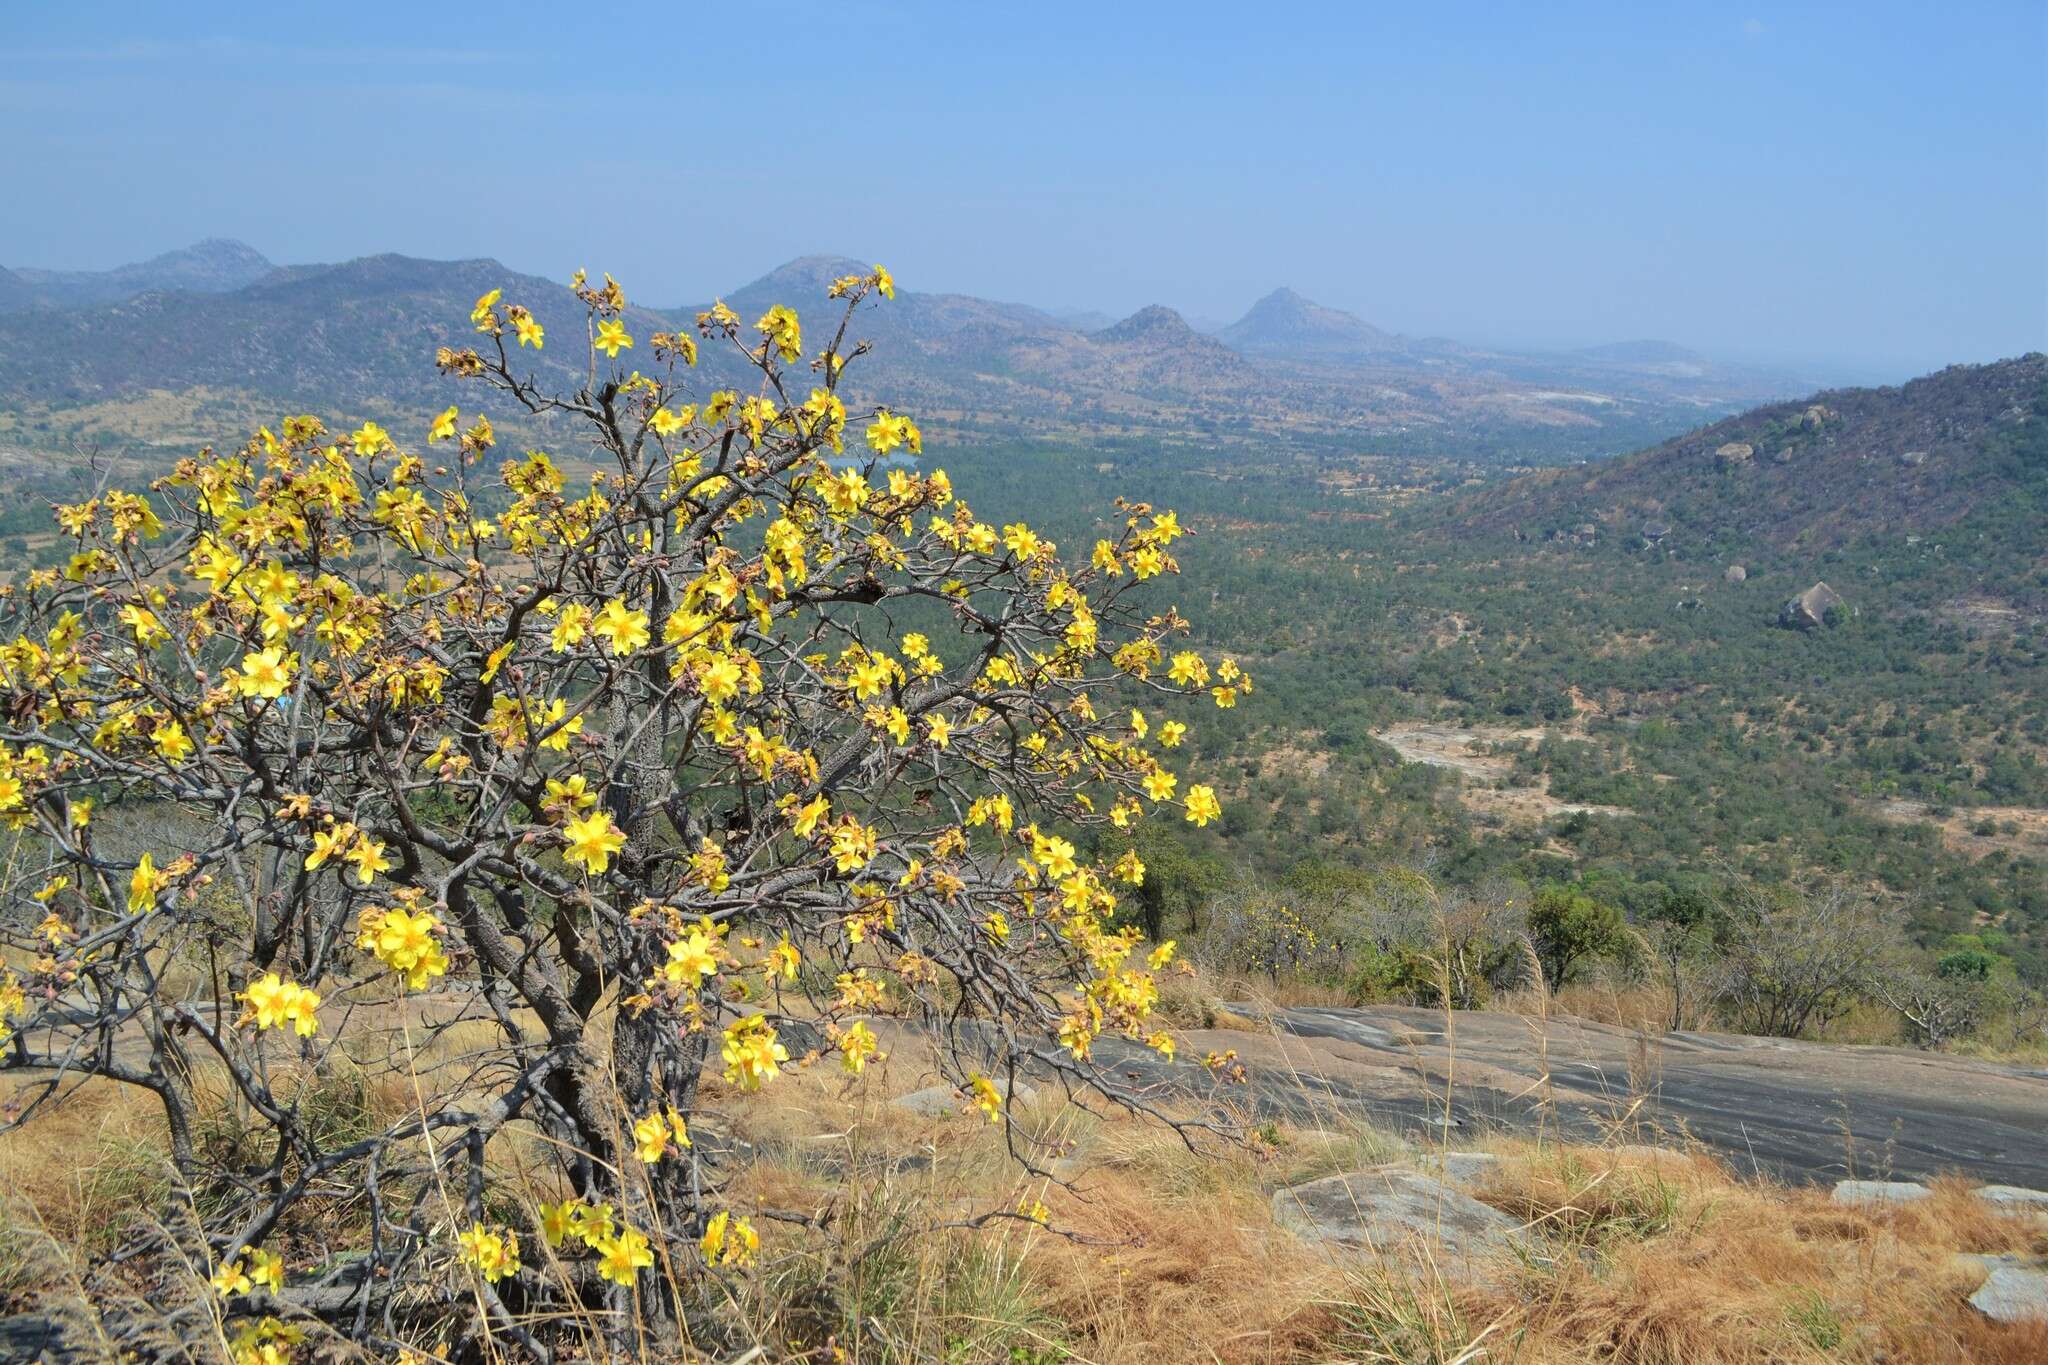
(1814, 473)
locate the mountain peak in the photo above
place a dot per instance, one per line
(1153, 322)
(1286, 322)
(804, 278)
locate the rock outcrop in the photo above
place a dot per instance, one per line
(1809, 610)
(1389, 1210)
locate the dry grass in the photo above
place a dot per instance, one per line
(1160, 1254)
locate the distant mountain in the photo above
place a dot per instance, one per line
(1811, 474)
(361, 332)
(214, 266)
(359, 336)
(1285, 323)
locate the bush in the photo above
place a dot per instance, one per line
(702, 765)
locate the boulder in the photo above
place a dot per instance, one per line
(1913, 458)
(1392, 1209)
(1809, 610)
(1734, 454)
(939, 1101)
(1654, 531)
(1735, 574)
(1879, 1193)
(1816, 417)
(2013, 1294)
(2014, 1198)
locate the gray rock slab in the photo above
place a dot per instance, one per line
(2014, 1198)
(1466, 1170)
(1871, 1193)
(1391, 1209)
(2012, 1294)
(938, 1101)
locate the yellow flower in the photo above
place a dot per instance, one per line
(592, 842)
(650, 1138)
(779, 324)
(691, 959)
(622, 627)
(1171, 734)
(267, 1269)
(570, 627)
(558, 1222)
(481, 315)
(856, 1045)
(989, 1100)
(621, 1258)
(406, 943)
(1202, 806)
(531, 333)
(272, 1002)
(728, 1240)
(368, 856)
(938, 730)
(444, 425)
(1056, 855)
(371, 439)
(493, 1252)
(809, 814)
(853, 845)
(144, 884)
(1159, 785)
(612, 338)
(329, 844)
(752, 1055)
(230, 1279)
(265, 674)
(172, 742)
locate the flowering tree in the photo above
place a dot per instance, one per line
(701, 767)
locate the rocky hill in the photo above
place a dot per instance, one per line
(1814, 473)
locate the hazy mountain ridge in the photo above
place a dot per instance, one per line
(362, 333)
(214, 266)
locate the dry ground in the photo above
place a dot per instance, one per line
(1158, 1252)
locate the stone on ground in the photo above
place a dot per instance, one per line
(2014, 1198)
(2013, 1294)
(1866, 1193)
(937, 1101)
(1391, 1209)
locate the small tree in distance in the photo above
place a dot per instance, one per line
(703, 764)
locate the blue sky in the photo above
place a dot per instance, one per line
(1864, 185)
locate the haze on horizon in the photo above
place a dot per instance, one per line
(1863, 188)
